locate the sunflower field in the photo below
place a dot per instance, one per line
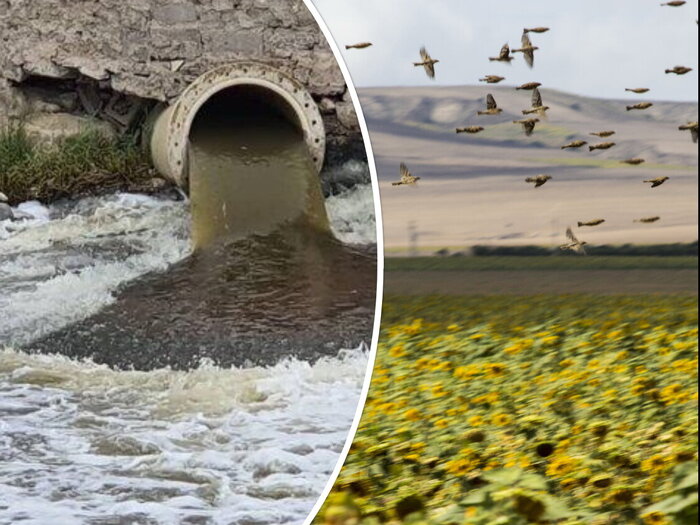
(513, 410)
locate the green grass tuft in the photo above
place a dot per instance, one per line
(84, 164)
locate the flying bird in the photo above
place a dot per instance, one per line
(574, 245)
(641, 105)
(470, 129)
(528, 125)
(693, 127)
(633, 162)
(658, 181)
(406, 176)
(679, 70)
(637, 90)
(360, 45)
(648, 219)
(594, 222)
(427, 62)
(574, 144)
(536, 30)
(538, 180)
(527, 49)
(529, 85)
(675, 3)
(602, 145)
(537, 106)
(603, 134)
(503, 55)
(491, 106)
(492, 79)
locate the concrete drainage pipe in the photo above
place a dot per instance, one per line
(171, 127)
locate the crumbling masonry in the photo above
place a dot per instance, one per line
(62, 61)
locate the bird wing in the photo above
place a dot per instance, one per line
(529, 55)
(580, 248)
(525, 40)
(403, 171)
(429, 69)
(694, 134)
(505, 51)
(529, 127)
(424, 54)
(571, 235)
(490, 102)
(536, 98)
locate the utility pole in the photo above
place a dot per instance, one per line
(412, 239)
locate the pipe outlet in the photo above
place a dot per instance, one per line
(171, 126)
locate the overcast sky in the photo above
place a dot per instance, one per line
(594, 47)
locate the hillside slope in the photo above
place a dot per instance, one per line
(472, 190)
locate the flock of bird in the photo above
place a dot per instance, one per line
(537, 107)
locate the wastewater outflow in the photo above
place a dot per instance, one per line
(250, 170)
(155, 426)
(267, 278)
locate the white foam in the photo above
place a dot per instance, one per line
(55, 272)
(352, 215)
(79, 441)
(226, 444)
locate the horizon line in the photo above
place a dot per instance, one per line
(438, 86)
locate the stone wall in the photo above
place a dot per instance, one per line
(152, 49)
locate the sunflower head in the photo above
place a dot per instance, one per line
(474, 436)
(528, 507)
(621, 495)
(655, 518)
(599, 428)
(602, 481)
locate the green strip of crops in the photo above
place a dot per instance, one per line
(543, 409)
(607, 262)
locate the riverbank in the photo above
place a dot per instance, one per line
(86, 164)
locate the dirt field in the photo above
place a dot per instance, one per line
(518, 282)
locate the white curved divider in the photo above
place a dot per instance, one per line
(380, 258)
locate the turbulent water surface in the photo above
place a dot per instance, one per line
(81, 442)
(267, 278)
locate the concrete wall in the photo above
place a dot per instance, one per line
(153, 49)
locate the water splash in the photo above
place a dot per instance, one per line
(82, 443)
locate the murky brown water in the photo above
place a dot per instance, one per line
(250, 171)
(267, 279)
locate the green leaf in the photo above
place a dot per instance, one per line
(506, 476)
(555, 509)
(533, 482)
(376, 470)
(477, 497)
(452, 514)
(689, 481)
(501, 520)
(674, 504)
